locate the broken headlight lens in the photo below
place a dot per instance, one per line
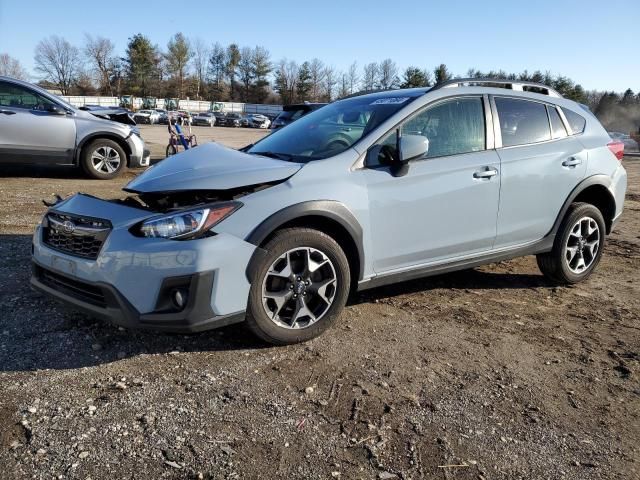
(187, 223)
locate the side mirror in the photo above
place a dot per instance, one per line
(56, 109)
(412, 147)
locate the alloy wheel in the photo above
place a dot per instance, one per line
(105, 159)
(582, 245)
(299, 288)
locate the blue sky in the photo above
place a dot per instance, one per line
(586, 40)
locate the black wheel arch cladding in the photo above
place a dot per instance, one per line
(330, 210)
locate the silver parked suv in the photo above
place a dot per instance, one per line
(37, 127)
(363, 192)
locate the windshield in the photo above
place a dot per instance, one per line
(330, 130)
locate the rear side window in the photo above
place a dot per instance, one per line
(557, 127)
(576, 122)
(522, 122)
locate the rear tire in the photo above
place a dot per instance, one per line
(578, 247)
(103, 159)
(299, 287)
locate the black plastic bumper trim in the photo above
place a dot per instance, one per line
(197, 316)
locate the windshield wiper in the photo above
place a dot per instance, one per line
(279, 156)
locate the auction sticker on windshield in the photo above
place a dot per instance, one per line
(390, 101)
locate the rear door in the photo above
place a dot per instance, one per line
(31, 134)
(540, 166)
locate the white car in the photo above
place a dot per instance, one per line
(257, 120)
(146, 116)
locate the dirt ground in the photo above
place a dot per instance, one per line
(490, 373)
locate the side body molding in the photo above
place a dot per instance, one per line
(329, 209)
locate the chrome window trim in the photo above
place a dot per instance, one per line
(546, 104)
(360, 163)
(566, 131)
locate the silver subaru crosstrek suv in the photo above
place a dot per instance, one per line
(363, 192)
(37, 127)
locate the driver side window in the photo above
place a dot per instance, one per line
(452, 127)
(15, 96)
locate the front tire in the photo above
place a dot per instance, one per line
(103, 159)
(300, 287)
(578, 247)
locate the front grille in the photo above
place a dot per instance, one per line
(75, 235)
(75, 288)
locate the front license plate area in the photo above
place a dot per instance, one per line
(64, 265)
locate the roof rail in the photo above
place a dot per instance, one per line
(516, 85)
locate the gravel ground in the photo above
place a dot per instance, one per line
(489, 373)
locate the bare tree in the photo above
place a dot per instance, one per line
(217, 70)
(100, 54)
(58, 61)
(388, 75)
(316, 78)
(10, 67)
(286, 76)
(330, 82)
(352, 77)
(178, 55)
(200, 59)
(261, 69)
(370, 76)
(246, 71)
(343, 90)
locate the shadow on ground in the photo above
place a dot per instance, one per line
(38, 333)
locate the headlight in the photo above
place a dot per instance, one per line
(187, 224)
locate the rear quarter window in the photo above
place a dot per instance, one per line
(522, 122)
(576, 122)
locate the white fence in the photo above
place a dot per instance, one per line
(189, 105)
(78, 101)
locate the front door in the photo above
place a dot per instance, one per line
(446, 205)
(31, 134)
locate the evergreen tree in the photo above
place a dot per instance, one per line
(141, 62)
(303, 86)
(441, 74)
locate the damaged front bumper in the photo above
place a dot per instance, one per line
(132, 281)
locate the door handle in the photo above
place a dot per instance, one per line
(488, 173)
(571, 162)
(7, 112)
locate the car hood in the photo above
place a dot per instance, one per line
(211, 167)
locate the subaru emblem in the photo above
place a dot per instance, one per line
(68, 227)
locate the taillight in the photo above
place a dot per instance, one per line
(617, 148)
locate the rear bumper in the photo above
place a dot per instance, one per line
(619, 190)
(105, 302)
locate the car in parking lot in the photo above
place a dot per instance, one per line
(221, 118)
(233, 120)
(291, 113)
(256, 120)
(207, 119)
(630, 145)
(37, 127)
(163, 116)
(367, 191)
(146, 116)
